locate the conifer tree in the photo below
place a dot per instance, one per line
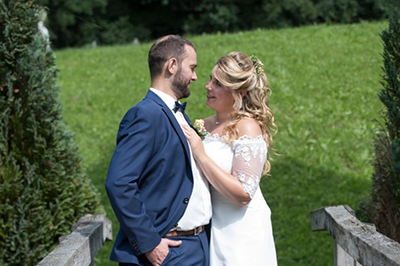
(383, 207)
(42, 188)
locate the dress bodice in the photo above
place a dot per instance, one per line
(219, 150)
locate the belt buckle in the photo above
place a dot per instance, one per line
(197, 230)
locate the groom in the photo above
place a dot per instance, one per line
(161, 201)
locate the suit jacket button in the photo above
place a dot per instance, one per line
(185, 200)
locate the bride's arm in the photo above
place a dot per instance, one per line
(225, 183)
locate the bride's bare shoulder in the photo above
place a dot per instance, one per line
(249, 127)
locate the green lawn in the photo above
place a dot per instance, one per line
(325, 81)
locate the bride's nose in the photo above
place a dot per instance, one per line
(208, 85)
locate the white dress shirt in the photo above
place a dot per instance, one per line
(198, 211)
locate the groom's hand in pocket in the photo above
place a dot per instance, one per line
(159, 253)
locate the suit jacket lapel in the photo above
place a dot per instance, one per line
(172, 119)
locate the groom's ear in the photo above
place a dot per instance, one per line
(172, 66)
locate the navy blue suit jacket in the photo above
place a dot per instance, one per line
(149, 180)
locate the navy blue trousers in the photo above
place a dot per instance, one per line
(193, 251)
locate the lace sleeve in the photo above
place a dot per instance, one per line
(250, 155)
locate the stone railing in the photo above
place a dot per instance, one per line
(79, 248)
(356, 243)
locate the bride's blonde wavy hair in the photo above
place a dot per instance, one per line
(237, 72)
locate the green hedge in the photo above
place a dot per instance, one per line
(382, 207)
(42, 188)
(73, 23)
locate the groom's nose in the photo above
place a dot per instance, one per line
(194, 76)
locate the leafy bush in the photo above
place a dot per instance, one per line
(344, 11)
(76, 23)
(122, 31)
(73, 22)
(42, 189)
(383, 206)
(212, 16)
(288, 13)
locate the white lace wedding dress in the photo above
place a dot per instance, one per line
(240, 235)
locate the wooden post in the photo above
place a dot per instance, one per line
(356, 243)
(80, 247)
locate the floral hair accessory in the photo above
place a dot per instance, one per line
(258, 65)
(199, 127)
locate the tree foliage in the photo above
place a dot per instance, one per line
(73, 22)
(383, 206)
(42, 189)
(76, 23)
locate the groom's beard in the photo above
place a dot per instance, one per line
(180, 85)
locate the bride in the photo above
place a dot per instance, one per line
(233, 156)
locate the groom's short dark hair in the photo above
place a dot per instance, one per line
(165, 48)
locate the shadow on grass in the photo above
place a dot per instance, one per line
(294, 189)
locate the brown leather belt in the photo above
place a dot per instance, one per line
(193, 232)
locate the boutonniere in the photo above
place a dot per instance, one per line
(199, 127)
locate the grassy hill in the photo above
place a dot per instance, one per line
(324, 80)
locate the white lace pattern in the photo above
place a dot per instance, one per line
(250, 155)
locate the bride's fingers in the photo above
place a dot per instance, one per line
(189, 132)
(186, 131)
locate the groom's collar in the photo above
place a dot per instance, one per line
(167, 99)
